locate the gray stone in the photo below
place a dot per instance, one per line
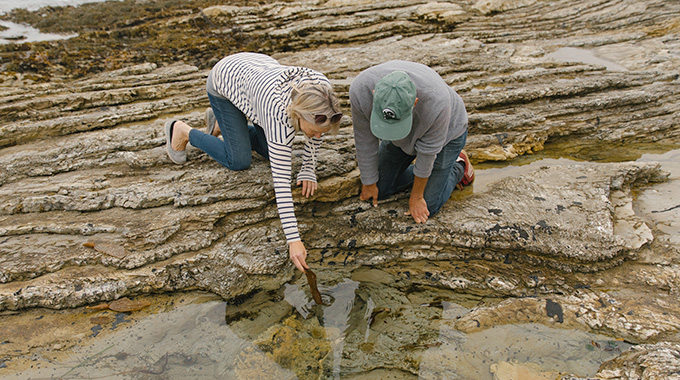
(83, 163)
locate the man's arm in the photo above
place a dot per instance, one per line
(361, 101)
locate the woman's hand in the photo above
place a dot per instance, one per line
(298, 254)
(308, 188)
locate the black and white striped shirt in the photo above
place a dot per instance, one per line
(261, 88)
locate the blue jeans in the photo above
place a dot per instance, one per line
(396, 172)
(240, 139)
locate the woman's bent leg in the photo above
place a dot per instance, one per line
(258, 141)
(235, 151)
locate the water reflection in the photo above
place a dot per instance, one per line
(375, 323)
(335, 317)
(380, 327)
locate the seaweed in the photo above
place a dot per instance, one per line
(311, 278)
(112, 35)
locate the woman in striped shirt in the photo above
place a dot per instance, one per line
(279, 100)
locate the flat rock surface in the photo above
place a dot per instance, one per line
(92, 209)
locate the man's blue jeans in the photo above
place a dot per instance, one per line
(239, 138)
(396, 172)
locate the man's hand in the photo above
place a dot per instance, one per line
(308, 188)
(417, 208)
(369, 192)
(298, 254)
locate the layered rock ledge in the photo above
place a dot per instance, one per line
(91, 208)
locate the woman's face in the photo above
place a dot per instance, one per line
(311, 129)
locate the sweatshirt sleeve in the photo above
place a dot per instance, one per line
(361, 101)
(431, 143)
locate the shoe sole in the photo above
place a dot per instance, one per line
(177, 156)
(469, 174)
(210, 121)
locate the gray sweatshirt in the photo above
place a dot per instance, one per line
(438, 117)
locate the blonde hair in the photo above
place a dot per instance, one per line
(313, 99)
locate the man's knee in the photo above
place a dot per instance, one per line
(435, 206)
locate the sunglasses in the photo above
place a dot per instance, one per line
(320, 119)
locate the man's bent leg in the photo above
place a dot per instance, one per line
(446, 174)
(393, 165)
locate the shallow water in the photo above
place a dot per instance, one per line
(32, 5)
(269, 337)
(20, 33)
(570, 54)
(556, 155)
(659, 202)
(374, 323)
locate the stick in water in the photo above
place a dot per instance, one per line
(311, 278)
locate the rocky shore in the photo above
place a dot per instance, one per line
(92, 210)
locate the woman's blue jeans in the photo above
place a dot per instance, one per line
(240, 139)
(396, 172)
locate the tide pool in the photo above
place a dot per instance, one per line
(33, 5)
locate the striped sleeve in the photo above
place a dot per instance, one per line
(280, 161)
(308, 169)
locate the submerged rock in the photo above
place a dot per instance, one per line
(83, 162)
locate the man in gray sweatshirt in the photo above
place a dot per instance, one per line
(404, 111)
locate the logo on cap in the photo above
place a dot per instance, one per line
(388, 114)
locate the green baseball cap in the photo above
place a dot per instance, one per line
(393, 99)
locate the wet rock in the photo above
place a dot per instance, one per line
(646, 361)
(125, 304)
(289, 346)
(595, 311)
(525, 371)
(83, 161)
(560, 216)
(554, 310)
(489, 7)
